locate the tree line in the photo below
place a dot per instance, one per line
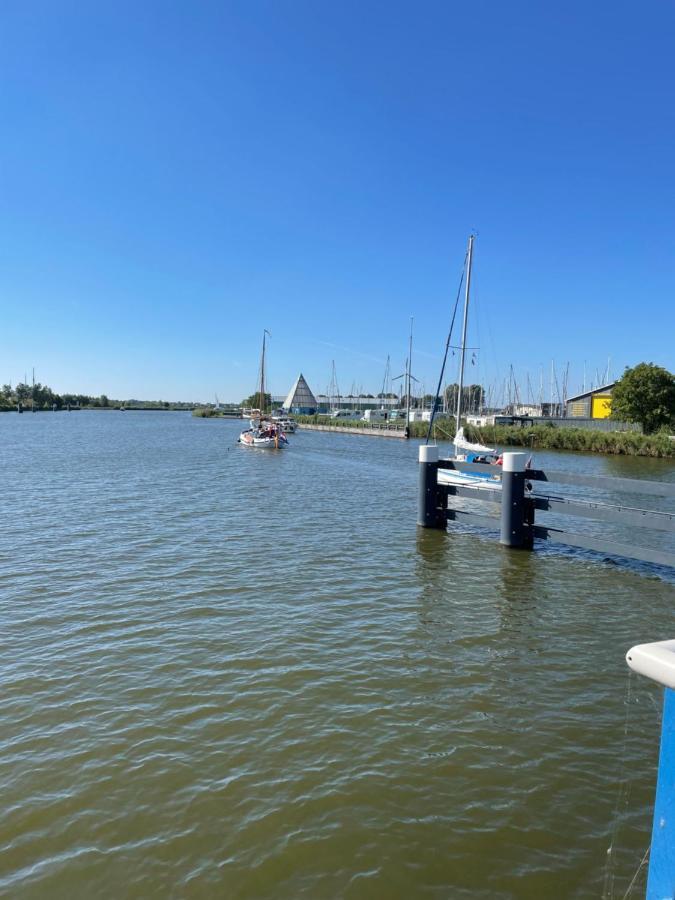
(42, 397)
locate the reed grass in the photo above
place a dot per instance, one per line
(544, 437)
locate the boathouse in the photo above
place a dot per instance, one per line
(593, 404)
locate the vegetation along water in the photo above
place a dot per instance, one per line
(238, 674)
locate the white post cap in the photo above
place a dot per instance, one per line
(656, 661)
(514, 462)
(428, 453)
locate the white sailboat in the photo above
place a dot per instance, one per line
(466, 451)
(264, 433)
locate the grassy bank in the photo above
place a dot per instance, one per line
(542, 437)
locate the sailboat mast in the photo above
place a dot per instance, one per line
(467, 289)
(409, 374)
(262, 375)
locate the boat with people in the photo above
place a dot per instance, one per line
(264, 432)
(264, 435)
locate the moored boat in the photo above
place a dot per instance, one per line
(477, 454)
(286, 424)
(466, 451)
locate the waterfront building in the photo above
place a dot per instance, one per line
(356, 402)
(593, 404)
(300, 400)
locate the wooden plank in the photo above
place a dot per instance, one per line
(626, 515)
(588, 542)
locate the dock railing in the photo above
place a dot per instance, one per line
(657, 661)
(513, 489)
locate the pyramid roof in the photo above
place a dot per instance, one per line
(300, 395)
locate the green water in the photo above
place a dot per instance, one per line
(231, 673)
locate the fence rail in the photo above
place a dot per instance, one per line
(514, 493)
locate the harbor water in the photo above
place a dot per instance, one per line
(248, 674)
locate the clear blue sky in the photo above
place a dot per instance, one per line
(175, 176)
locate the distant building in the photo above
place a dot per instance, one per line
(480, 421)
(593, 404)
(356, 403)
(527, 409)
(300, 399)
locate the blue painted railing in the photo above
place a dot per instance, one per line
(657, 661)
(661, 879)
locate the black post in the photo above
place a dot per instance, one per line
(430, 512)
(514, 531)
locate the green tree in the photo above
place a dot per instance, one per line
(645, 394)
(473, 397)
(104, 401)
(254, 401)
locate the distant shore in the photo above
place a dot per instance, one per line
(170, 408)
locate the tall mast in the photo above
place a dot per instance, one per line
(464, 324)
(552, 368)
(386, 386)
(262, 373)
(333, 390)
(409, 375)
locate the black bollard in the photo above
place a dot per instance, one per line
(430, 512)
(514, 531)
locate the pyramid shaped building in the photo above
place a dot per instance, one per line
(300, 400)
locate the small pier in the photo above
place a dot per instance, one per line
(389, 431)
(512, 489)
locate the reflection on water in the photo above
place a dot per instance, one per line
(230, 673)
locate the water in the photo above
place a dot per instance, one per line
(230, 673)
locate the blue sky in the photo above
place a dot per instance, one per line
(174, 177)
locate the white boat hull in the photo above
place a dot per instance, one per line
(275, 442)
(491, 481)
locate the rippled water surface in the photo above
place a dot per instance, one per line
(245, 674)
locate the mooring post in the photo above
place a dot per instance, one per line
(513, 532)
(429, 511)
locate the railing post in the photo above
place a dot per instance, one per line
(661, 878)
(429, 512)
(657, 661)
(513, 532)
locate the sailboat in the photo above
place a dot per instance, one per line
(264, 433)
(466, 451)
